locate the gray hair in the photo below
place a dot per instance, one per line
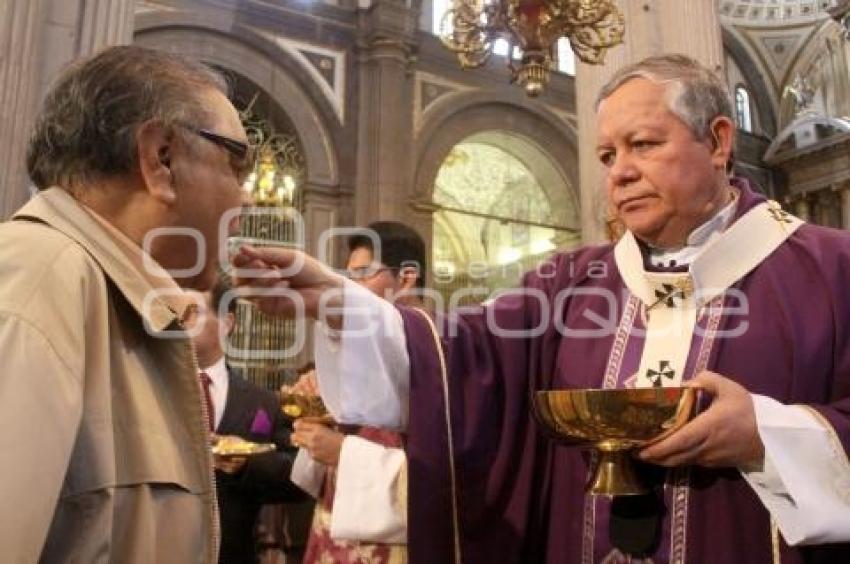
(87, 125)
(694, 93)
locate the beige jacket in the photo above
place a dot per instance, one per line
(102, 432)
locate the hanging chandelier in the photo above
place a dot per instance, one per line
(471, 27)
(279, 167)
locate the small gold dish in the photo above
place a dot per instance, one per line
(297, 406)
(231, 446)
(614, 422)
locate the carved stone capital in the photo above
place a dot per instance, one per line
(389, 19)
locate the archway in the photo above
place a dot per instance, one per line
(534, 139)
(273, 74)
(500, 207)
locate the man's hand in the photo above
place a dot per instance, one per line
(305, 385)
(723, 435)
(229, 464)
(323, 444)
(310, 282)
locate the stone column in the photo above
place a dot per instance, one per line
(19, 47)
(422, 220)
(652, 27)
(845, 205)
(321, 212)
(824, 207)
(37, 39)
(802, 209)
(384, 159)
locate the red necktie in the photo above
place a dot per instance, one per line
(205, 385)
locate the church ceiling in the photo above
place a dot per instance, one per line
(776, 33)
(773, 13)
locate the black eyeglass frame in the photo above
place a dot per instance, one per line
(236, 148)
(370, 272)
(244, 152)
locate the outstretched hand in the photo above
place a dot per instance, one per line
(723, 435)
(287, 282)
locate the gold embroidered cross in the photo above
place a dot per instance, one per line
(779, 215)
(681, 288)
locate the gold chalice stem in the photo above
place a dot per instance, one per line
(614, 472)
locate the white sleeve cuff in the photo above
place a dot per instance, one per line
(307, 474)
(370, 503)
(364, 371)
(805, 482)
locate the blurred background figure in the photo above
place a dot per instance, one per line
(360, 473)
(238, 407)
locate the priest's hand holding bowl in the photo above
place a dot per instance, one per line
(321, 442)
(724, 435)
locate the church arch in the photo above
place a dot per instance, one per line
(261, 62)
(525, 203)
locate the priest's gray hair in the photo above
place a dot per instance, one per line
(695, 94)
(87, 126)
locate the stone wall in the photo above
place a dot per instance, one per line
(37, 39)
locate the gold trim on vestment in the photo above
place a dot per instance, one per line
(774, 541)
(445, 379)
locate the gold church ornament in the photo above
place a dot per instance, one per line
(471, 27)
(279, 169)
(273, 195)
(613, 423)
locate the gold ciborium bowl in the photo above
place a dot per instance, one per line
(296, 406)
(613, 423)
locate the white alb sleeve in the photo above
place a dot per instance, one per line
(364, 371)
(308, 474)
(805, 482)
(370, 500)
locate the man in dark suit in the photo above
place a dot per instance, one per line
(236, 406)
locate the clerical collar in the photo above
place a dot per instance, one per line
(697, 240)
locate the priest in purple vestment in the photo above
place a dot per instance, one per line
(711, 286)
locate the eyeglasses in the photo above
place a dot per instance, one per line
(243, 155)
(368, 272)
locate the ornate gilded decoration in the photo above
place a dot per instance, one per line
(470, 28)
(280, 164)
(273, 199)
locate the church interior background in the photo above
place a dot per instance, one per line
(362, 114)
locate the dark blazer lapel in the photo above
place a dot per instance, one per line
(234, 419)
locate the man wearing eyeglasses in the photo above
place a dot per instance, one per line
(137, 155)
(360, 477)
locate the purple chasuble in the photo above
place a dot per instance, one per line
(520, 497)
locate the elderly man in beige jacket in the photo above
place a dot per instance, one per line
(137, 156)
